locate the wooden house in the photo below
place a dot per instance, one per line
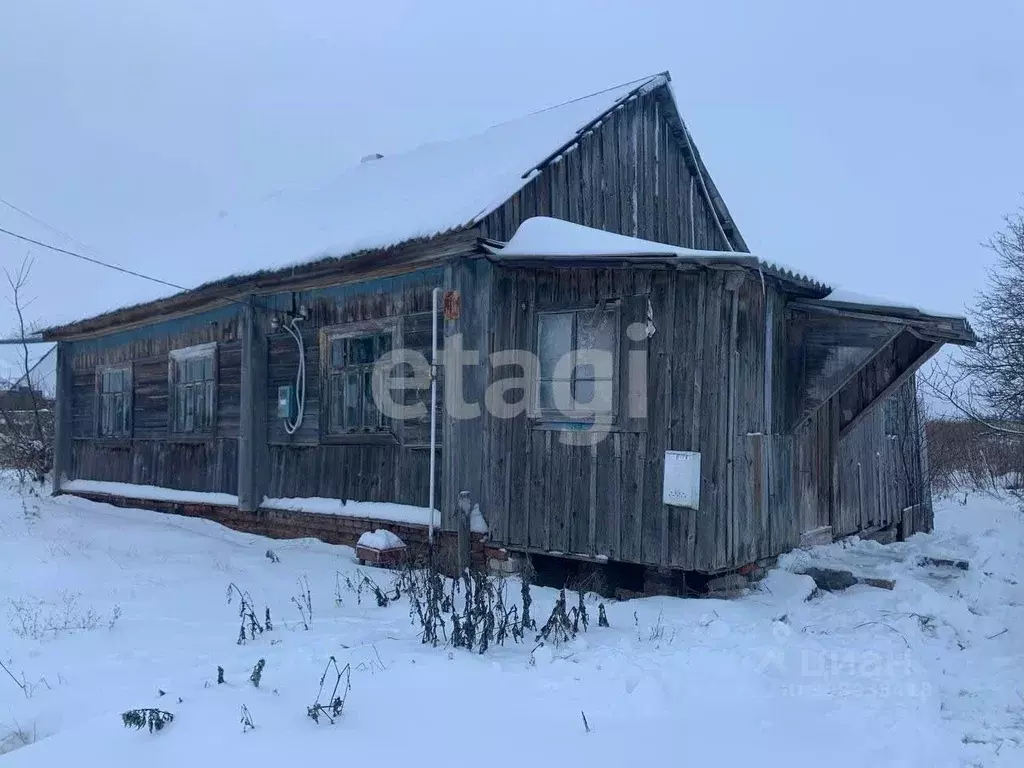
(746, 408)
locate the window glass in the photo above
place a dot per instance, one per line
(193, 388)
(352, 408)
(554, 340)
(587, 387)
(114, 402)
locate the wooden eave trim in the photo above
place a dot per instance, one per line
(408, 257)
(950, 330)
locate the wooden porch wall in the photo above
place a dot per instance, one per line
(880, 472)
(630, 174)
(153, 456)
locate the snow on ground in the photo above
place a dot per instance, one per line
(924, 675)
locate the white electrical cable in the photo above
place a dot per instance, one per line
(300, 378)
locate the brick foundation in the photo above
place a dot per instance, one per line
(281, 524)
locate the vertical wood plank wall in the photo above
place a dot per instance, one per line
(605, 499)
(630, 174)
(881, 477)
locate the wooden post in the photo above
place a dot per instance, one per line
(465, 510)
(465, 441)
(253, 466)
(62, 418)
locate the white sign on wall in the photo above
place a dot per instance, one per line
(681, 484)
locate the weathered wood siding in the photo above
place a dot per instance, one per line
(309, 463)
(605, 499)
(544, 494)
(881, 478)
(153, 456)
(632, 174)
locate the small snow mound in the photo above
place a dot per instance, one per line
(477, 523)
(380, 539)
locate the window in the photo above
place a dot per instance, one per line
(114, 402)
(351, 358)
(576, 353)
(193, 389)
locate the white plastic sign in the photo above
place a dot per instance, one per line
(681, 484)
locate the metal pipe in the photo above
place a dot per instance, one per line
(433, 413)
(731, 438)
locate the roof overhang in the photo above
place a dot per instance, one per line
(331, 270)
(858, 354)
(949, 329)
(544, 241)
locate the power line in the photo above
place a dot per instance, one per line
(92, 260)
(99, 262)
(44, 224)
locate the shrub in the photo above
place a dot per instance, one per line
(257, 673)
(246, 614)
(154, 719)
(36, 619)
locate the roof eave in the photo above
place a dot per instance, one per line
(941, 328)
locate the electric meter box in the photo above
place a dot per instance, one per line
(286, 405)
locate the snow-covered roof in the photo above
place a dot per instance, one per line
(549, 239)
(387, 200)
(383, 201)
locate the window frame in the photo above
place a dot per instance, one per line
(174, 358)
(552, 417)
(128, 405)
(387, 431)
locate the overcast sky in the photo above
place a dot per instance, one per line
(874, 145)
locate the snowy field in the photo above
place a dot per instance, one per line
(929, 674)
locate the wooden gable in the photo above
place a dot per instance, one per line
(635, 172)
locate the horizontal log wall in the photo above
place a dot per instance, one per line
(306, 463)
(153, 456)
